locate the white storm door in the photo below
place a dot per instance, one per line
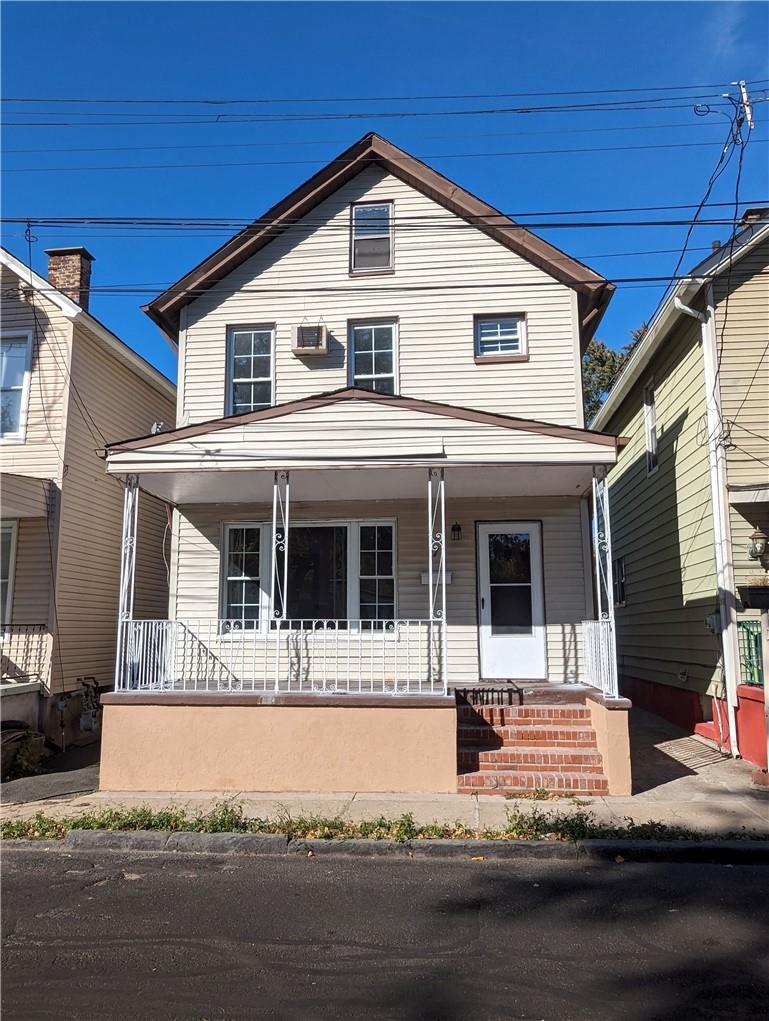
(511, 605)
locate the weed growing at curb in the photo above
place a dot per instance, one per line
(533, 824)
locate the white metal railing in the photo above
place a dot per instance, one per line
(290, 656)
(23, 652)
(599, 651)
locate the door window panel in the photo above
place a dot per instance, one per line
(510, 583)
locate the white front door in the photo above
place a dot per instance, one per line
(511, 605)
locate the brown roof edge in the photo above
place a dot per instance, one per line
(373, 149)
(353, 393)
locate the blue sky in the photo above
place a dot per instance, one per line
(295, 51)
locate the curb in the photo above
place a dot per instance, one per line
(717, 852)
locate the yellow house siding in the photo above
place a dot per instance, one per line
(121, 403)
(662, 525)
(197, 567)
(435, 327)
(32, 573)
(742, 329)
(40, 454)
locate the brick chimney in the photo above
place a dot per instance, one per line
(69, 270)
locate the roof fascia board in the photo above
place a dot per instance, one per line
(69, 308)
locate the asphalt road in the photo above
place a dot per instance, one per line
(111, 936)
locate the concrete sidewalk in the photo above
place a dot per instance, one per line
(678, 780)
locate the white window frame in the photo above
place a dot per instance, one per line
(352, 326)
(13, 526)
(353, 526)
(21, 433)
(230, 378)
(651, 433)
(492, 317)
(367, 270)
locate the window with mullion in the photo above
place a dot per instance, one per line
(242, 586)
(251, 368)
(14, 384)
(371, 237)
(377, 575)
(500, 335)
(372, 354)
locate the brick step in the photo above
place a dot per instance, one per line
(478, 735)
(527, 781)
(528, 757)
(500, 715)
(556, 735)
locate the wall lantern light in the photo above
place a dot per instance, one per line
(757, 548)
(456, 532)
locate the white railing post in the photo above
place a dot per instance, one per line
(279, 587)
(604, 575)
(127, 576)
(436, 523)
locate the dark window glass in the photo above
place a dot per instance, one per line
(511, 609)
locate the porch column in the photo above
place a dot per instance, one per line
(604, 569)
(279, 587)
(127, 575)
(436, 544)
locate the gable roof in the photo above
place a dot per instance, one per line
(594, 290)
(75, 312)
(755, 229)
(353, 393)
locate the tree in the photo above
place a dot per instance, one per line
(601, 365)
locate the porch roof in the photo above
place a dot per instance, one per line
(354, 429)
(352, 435)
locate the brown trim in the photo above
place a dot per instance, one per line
(204, 698)
(499, 359)
(354, 393)
(372, 149)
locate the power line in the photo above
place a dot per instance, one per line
(431, 156)
(346, 141)
(376, 99)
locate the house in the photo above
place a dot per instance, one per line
(67, 384)
(690, 497)
(380, 479)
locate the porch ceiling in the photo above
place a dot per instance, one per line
(398, 482)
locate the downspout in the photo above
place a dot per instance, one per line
(720, 508)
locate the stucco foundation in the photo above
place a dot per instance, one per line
(609, 718)
(236, 743)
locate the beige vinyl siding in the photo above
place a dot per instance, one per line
(742, 329)
(121, 403)
(662, 525)
(197, 567)
(435, 327)
(32, 573)
(40, 453)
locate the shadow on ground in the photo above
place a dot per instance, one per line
(75, 771)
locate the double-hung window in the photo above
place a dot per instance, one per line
(251, 368)
(242, 576)
(650, 427)
(15, 354)
(377, 574)
(371, 237)
(373, 356)
(500, 336)
(7, 559)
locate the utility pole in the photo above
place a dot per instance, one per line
(745, 102)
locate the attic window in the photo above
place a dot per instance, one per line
(371, 242)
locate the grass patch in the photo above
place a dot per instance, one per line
(533, 824)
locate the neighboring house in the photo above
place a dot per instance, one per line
(380, 479)
(68, 384)
(690, 492)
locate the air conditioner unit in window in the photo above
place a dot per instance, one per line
(309, 340)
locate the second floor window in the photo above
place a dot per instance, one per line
(372, 356)
(371, 243)
(14, 385)
(650, 425)
(500, 335)
(250, 368)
